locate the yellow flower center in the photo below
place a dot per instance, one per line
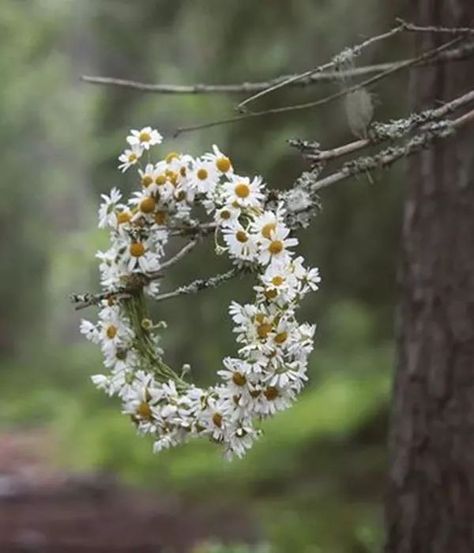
(172, 155)
(225, 214)
(217, 419)
(242, 190)
(144, 137)
(160, 180)
(223, 164)
(241, 236)
(202, 174)
(123, 217)
(137, 249)
(239, 379)
(172, 176)
(271, 393)
(160, 217)
(146, 180)
(271, 294)
(278, 280)
(111, 332)
(264, 330)
(147, 205)
(281, 337)
(255, 393)
(267, 230)
(144, 411)
(182, 171)
(132, 157)
(275, 247)
(180, 196)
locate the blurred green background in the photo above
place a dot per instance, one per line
(314, 482)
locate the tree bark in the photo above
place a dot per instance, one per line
(430, 499)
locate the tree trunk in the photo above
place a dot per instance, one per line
(430, 500)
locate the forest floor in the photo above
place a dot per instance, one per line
(46, 510)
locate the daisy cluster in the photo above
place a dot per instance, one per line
(270, 367)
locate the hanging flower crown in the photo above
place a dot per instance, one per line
(270, 369)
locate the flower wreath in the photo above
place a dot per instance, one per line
(270, 369)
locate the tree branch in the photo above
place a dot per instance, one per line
(387, 157)
(456, 54)
(348, 54)
(198, 285)
(400, 128)
(173, 260)
(433, 29)
(334, 63)
(322, 101)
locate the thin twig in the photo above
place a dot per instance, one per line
(174, 88)
(424, 117)
(173, 260)
(198, 285)
(433, 29)
(356, 50)
(297, 107)
(320, 68)
(455, 54)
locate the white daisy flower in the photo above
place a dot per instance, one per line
(110, 271)
(236, 374)
(147, 176)
(90, 331)
(309, 278)
(139, 258)
(216, 418)
(265, 224)
(240, 440)
(277, 284)
(144, 138)
(121, 360)
(165, 441)
(227, 215)
(101, 382)
(144, 203)
(114, 331)
(107, 208)
(164, 185)
(130, 157)
(241, 244)
(243, 192)
(179, 164)
(303, 341)
(220, 161)
(275, 248)
(241, 314)
(273, 399)
(142, 395)
(203, 176)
